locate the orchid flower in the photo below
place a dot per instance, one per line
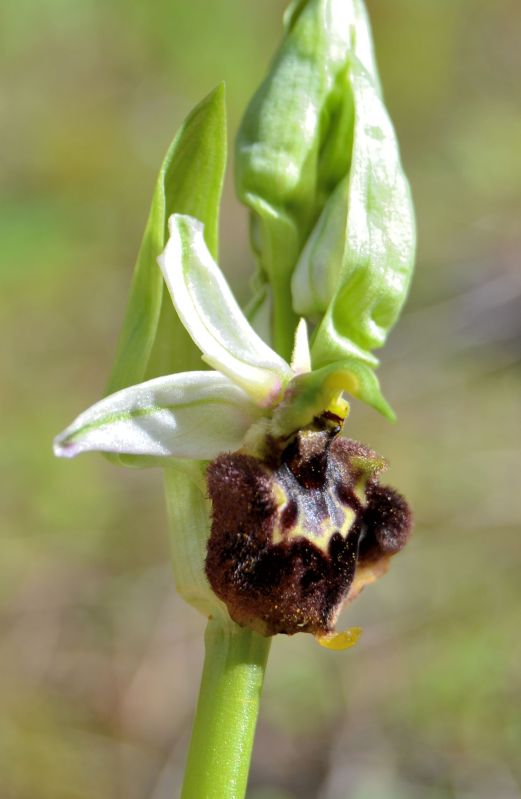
(269, 428)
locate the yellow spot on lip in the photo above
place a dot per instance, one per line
(339, 641)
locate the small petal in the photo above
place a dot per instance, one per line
(213, 318)
(301, 358)
(188, 415)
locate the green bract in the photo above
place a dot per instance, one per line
(317, 162)
(361, 253)
(189, 182)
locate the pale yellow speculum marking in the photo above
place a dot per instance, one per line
(299, 530)
(349, 517)
(280, 497)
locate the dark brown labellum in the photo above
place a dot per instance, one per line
(288, 532)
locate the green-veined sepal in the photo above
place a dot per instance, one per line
(193, 415)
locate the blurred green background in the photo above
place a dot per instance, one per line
(99, 659)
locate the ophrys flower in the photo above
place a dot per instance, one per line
(291, 500)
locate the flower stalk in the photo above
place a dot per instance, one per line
(227, 710)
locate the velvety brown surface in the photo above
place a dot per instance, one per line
(297, 584)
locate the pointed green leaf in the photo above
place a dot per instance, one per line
(187, 415)
(190, 181)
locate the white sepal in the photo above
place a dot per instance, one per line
(212, 317)
(187, 415)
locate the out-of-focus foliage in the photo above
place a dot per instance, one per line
(99, 660)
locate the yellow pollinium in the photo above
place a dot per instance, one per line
(339, 641)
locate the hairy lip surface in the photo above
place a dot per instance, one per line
(284, 544)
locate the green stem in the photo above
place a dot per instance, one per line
(227, 710)
(284, 319)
